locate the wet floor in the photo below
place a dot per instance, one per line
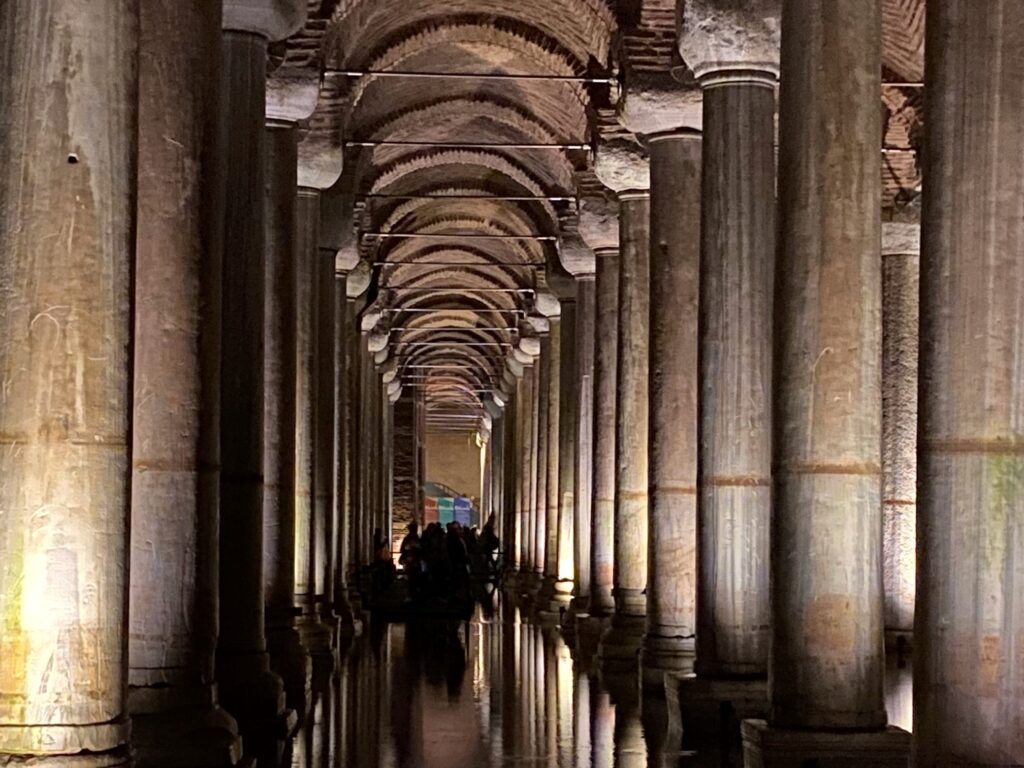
(500, 691)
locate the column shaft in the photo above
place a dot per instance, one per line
(326, 524)
(737, 273)
(630, 528)
(342, 448)
(826, 594)
(554, 348)
(250, 692)
(584, 427)
(567, 409)
(68, 86)
(675, 284)
(606, 353)
(969, 628)
(540, 533)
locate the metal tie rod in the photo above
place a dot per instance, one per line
(453, 236)
(451, 288)
(473, 264)
(464, 144)
(501, 198)
(472, 76)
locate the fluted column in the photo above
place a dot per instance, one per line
(606, 355)
(251, 692)
(901, 247)
(674, 293)
(621, 643)
(68, 147)
(827, 659)
(583, 426)
(969, 628)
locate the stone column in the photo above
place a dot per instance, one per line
(553, 402)
(175, 441)
(674, 288)
(969, 628)
(567, 453)
(584, 430)
(540, 529)
(527, 411)
(901, 246)
(606, 356)
(309, 524)
(250, 691)
(827, 658)
(621, 643)
(67, 220)
(287, 655)
(326, 541)
(342, 452)
(738, 74)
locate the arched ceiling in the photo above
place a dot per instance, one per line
(462, 185)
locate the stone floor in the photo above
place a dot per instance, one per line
(499, 691)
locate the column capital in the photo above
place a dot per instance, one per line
(675, 134)
(724, 41)
(599, 222)
(321, 161)
(272, 19)
(622, 164)
(292, 95)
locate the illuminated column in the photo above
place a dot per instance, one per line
(309, 528)
(621, 643)
(250, 691)
(539, 521)
(901, 246)
(969, 671)
(286, 104)
(173, 593)
(67, 221)
(826, 660)
(526, 404)
(606, 356)
(674, 289)
(584, 431)
(567, 409)
(554, 425)
(735, 58)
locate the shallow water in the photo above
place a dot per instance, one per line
(497, 692)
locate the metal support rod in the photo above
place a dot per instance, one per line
(355, 143)
(450, 236)
(485, 265)
(502, 198)
(503, 328)
(452, 344)
(450, 310)
(449, 288)
(472, 76)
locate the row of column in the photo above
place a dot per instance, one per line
(777, 553)
(240, 424)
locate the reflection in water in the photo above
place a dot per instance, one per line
(493, 693)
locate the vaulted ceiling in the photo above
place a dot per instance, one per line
(467, 128)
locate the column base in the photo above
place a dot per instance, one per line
(619, 651)
(663, 655)
(558, 603)
(711, 707)
(601, 604)
(768, 747)
(122, 756)
(203, 734)
(290, 659)
(255, 697)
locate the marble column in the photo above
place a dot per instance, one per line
(527, 468)
(250, 691)
(584, 430)
(175, 440)
(827, 659)
(539, 526)
(68, 147)
(553, 402)
(342, 470)
(674, 302)
(738, 76)
(969, 627)
(309, 512)
(606, 357)
(901, 247)
(567, 409)
(288, 657)
(620, 644)
(326, 524)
